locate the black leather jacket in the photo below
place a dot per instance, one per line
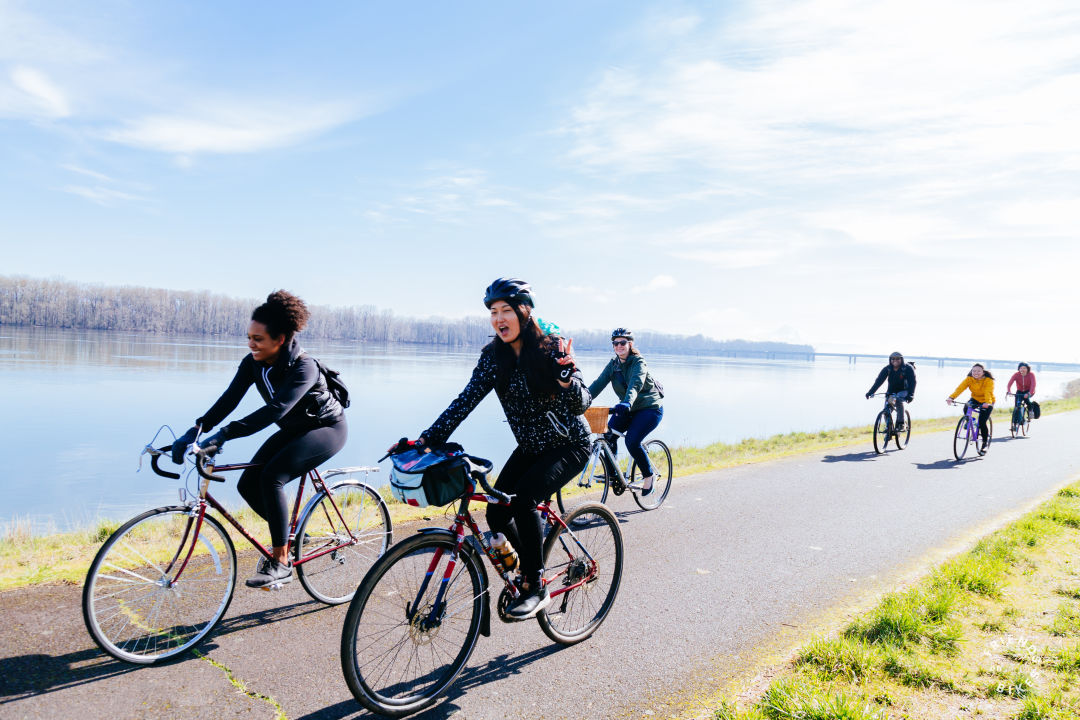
(294, 390)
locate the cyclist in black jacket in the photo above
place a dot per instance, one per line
(543, 395)
(901, 377)
(312, 421)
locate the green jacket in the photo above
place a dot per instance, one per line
(631, 381)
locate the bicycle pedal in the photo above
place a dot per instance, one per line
(272, 586)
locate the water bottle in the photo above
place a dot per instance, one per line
(504, 551)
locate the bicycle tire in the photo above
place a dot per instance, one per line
(1026, 427)
(961, 439)
(660, 457)
(902, 437)
(378, 636)
(989, 437)
(333, 578)
(135, 609)
(882, 429)
(576, 614)
(596, 458)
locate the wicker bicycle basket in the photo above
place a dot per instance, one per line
(597, 417)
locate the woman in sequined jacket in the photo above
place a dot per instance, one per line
(543, 396)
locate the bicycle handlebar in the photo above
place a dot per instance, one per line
(479, 469)
(201, 459)
(154, 455)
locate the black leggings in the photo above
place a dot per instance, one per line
(285, 456)
(531, 479)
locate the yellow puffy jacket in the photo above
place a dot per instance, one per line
(982, 390)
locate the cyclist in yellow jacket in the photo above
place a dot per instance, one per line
(981, 384)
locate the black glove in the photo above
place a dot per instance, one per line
(910, 399)
(869, 395)
(563, 360)
(213, 444)
(180, 445)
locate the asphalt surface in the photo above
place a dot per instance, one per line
(733, 561)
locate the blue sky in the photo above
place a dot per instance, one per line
(854, 175)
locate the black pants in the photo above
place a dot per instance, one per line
(285, 456)
(531, 479)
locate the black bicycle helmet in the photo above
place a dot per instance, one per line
(897, 355)
(512, 290)
(1023, 364)
(622, 333)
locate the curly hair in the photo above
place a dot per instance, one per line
(283, 314)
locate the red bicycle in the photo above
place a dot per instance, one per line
(416, 617)
(165, 578)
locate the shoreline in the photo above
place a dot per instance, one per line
(27, 559)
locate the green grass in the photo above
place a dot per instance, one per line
(970, 639)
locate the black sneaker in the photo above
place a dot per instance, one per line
(527, 606)
(900, 428)
(270, 572)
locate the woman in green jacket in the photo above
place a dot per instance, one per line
(640, 408)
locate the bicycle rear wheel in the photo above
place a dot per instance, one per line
(660, 457)
(400, 648)
(596, 471)
(961, 439)
(334, 575)
(882, 429)
(586, 564)
(904, 435)
(146, 597)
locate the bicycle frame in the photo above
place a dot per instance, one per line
(204, 500)
(464, 520)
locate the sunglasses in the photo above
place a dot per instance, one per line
(618, 343)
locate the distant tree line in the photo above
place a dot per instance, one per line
(64, 304)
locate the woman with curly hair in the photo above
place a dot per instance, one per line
(543, 396)
(311, 421)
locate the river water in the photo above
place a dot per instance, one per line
(79, 405)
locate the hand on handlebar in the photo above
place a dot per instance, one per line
(182, 443)
(212, 445)
(869, 395)
(402, 445)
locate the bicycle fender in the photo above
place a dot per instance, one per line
(470, 547)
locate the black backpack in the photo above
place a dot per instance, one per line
(334, 383)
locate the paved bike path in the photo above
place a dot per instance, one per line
(733, 560)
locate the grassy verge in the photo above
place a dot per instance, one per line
(993, 633)
(26, 559)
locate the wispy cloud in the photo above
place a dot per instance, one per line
(43, 97)
(102, 195)
(231, 129)
(89, 173)
(660, 282)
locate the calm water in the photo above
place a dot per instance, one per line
(79, 405)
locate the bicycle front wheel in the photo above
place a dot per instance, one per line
(904, 435)
(1025, 427)
(338, 539)
(583, 568)
(411, 627)
(961, 439)
(881, 432)
(154, 589)
(660, 458)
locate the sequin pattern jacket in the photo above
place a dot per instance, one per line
(539, 423)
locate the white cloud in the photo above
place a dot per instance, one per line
(45, 98)
(102, 195)
(660, 282)
(231, 129)
(89, 173)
